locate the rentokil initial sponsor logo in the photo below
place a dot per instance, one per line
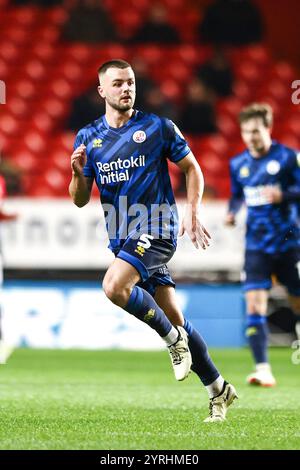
(118, 170)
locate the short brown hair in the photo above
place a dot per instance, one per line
(257, 110)
(117, 63)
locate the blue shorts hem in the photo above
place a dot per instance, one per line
(257, 285)
(136, 263)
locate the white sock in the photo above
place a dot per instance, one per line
(171, 337)
(297, 328)
(216, 387)
(263, 366)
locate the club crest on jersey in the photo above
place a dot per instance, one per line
(273, 167)
(139, 137)
(244, 172)
(298, 158)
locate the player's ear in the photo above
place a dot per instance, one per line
(101, 91)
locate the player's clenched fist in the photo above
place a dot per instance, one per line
(78, 160)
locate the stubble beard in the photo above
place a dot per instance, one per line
(123, 107)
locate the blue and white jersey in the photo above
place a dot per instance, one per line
(271, 228)
(129, 165)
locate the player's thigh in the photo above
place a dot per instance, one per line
(165, 297)
(288, 274)
(147, 255)
(120, 275)
(257, 301)
(257, 271)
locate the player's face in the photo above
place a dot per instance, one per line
(256, 136)
(117, 87)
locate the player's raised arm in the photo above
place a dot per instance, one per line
(194, 185)
(80, 186)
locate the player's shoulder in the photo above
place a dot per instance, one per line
(167, 127)
(285, 151)
(239, 159)
(145, 116)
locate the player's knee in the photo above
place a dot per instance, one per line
(254, 307)
(115, 291)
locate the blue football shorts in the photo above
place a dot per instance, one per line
(149, 257)
(259, 268)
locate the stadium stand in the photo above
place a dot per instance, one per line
(42, 85)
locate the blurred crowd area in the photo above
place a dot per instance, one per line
(196, 62)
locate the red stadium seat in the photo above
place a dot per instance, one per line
(24, 160)
(290, 139)
(152, 54)
(257, 54)
(223, 187)
(171, 89)
(18, 107)
(48, 33)
(128, 20)
(51, 184)
(61, 88)
(55, 16)
(229, 106)
(80, 53)
(275, 89)
(35, 142)
(55, 107)
(292, 125)
(5, 143)
(211, 163)
(44, 51)
(115, 50)
(174, 4)
(9, 124)
(65, 141)
(16, 35)
(60, 159)
(41, 122)
(25, 16)
(24, 88)
(35, 69)
(284, 72)
(243, 91)
(175, 176)
(249, 72)
(5, 70)
(213, 143)
(228, 126)
(9, 51)
(71, 71)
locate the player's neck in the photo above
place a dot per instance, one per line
(117, 118)
(261, 152)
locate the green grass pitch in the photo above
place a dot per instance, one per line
(109, 400)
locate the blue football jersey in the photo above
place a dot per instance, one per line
(129, 165)
(271, 228)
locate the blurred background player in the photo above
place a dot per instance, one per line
(266, 176)
(138, 280)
